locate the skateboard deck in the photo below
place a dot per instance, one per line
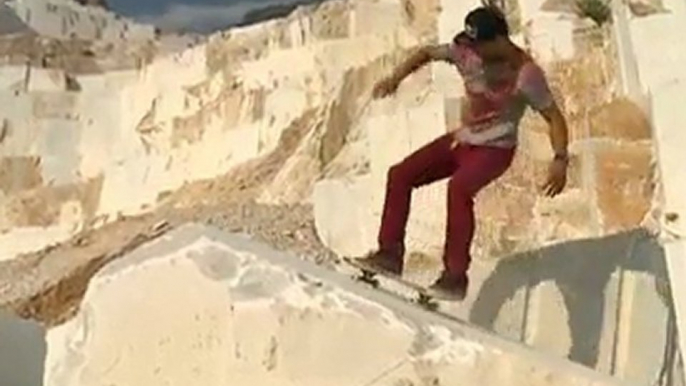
(425, 297)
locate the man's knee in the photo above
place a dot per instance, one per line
(398, 174)
(460, 187)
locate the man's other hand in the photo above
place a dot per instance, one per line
(557, 178)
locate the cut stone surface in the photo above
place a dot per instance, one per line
(620, 119)
(624, 184)
(222, 309)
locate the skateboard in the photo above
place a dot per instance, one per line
(424, 298)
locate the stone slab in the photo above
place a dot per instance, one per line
(220, 307)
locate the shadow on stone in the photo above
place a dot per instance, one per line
(581, 270)
(22, 351)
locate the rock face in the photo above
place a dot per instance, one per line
(183, 117)
(663, 85)
(287, 103)
(247, 315)
(82, 19)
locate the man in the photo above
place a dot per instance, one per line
(500, 80)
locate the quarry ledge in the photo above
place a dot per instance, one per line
(169, 241)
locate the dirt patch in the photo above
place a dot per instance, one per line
(619, 119)
(347, 107)
(340, 119)
(41, 206)
(57, 303)
(624, 178)
(20, 173)
(226, 107)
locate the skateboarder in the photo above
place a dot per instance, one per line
(500, 80)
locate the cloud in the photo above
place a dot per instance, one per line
(203, 18)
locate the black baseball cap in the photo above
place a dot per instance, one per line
(484, 24)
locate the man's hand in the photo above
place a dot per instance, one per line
(557, 177)
(385, 87)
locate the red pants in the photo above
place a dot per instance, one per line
(469, 167)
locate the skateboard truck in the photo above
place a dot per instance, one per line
(423, 299)
(368, 277)
(427, 301)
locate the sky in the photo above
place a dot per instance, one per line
(192, 15)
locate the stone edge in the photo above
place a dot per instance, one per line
(186, 234)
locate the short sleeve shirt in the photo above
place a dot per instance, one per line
(496, 96)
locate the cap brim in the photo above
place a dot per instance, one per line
(463, 36)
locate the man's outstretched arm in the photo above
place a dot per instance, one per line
(419, 58)
(416, 60)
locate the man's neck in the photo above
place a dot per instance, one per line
(510, 54)
(513, 54)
